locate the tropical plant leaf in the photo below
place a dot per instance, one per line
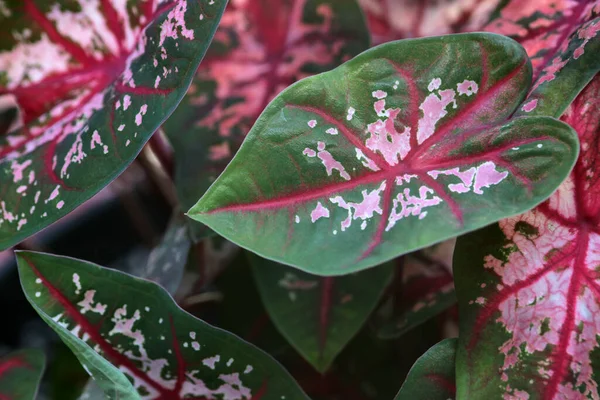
(528, 287)
(166, 262)
(404, 146)
(20, 374)
(404, 19)
(562, 41)
(106, 316)
(318, 315)
(427, 290)
(94, 79)
(255, 55)
(433, 375)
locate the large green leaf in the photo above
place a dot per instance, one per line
(432, 377)
(404, 146)
(20, 374)
(261, 47)
(94, 79)
(318, 315)
(137, 343)
(529, 291)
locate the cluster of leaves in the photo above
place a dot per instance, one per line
(343, 172)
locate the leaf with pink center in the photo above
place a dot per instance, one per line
(528, 287)
(318, 315)
(20, 374)
(404, 19)
(93, 80)
(424, 151)
(255, 55)
(138, 344)
(433, 375)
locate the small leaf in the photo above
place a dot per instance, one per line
(562, 40)
(153, 345)
(432, 377)
(318, 315)
(20, 374)
(404, 146)
(94, 80)
(255, 55)
(404, 19)
(529, 291)
(427, 290)
(166, 262)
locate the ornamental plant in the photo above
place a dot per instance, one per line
(369, 199)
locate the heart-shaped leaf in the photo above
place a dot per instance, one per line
(529, 289)
(260, 48)
(155, 347)
(318, 315)
(94, 79)
(427, 289)
(403, 19)
(20, 374)
(433, 375)
(402, 147)
(562, 40)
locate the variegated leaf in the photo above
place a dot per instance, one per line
(20, 374)
(138, 344)
(404, 146)
(94, 79)
(261, 47)
(529, 289)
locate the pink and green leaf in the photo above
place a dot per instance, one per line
(255, 55)
(427, 290)
(20, 374)
(404, 146)
(433, 375)
(528, 287)
(562, 39)
(94, 80)
(137, 343)
(318, 315)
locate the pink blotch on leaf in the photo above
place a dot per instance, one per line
(530, 105)
(319, 212)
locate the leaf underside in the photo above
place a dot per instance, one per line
(389, 153)
(20, 374)
(254, 56)
(528, 287)
(137, 343)
(318, 315)
(93, 79)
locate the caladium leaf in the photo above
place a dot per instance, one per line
(318, 315)
(261, 47)
(402, 19)
(528, 288)
(427, 290)
(155, 347)
(20, 374)
(402, 147)
(94, 79)
(166, 262)
(562, 40)
(433, 375)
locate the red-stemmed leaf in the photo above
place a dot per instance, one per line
(138, 344)
(404, 146)
(426, 289)
(528, 287)
(433, 375)
(261, 47)
(403, 19)
(20, 374)
(94, 79)
(318, 315)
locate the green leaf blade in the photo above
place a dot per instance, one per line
(20, 374)
(325, 170)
